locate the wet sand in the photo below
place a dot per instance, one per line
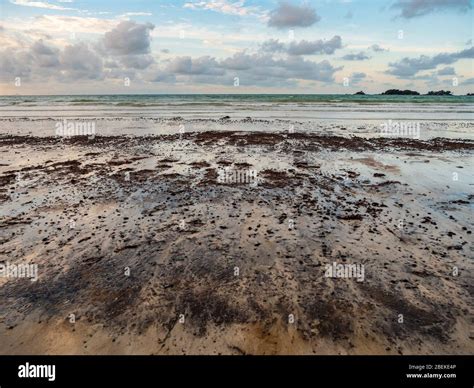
(153, 253)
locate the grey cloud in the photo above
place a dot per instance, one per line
(409, 67)
(251, 69)
(136, 61)
(130, 43)
(110, 64)
(376, 48)
(288, 68)
(37, 60)
(304, 47)
(190, 66)
(415, 8)
(244, 61)
(316, 71)
(287, 15)
(15, 64)
(45, 56)
(316, 47)
(40, 62)
(449, 70)
(128, 38)
(357, 77)
(163, 77)
(361, 56)
(80, 62)
(119, 73)
(273, 46)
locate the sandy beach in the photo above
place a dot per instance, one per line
(220, 242)
(201, 186)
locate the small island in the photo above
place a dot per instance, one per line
(398, 92)
(440, 93)
(360, 93)
(470, 94)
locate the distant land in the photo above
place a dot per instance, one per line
(401, 92)
(398, 92)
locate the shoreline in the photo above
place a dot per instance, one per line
(155, 205)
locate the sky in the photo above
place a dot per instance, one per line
(235, 46)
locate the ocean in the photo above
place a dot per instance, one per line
(144, 100)
(142, 114)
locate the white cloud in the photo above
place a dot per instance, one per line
(60, 25)
(41, 4)
(130, 14)
(224, 6)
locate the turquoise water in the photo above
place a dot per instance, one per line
(144, 100)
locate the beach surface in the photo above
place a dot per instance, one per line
(219, 241)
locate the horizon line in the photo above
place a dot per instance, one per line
(236, 94)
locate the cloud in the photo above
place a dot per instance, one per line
(303, 47)
(136, 61)
(348, 15)
(315, 47)
(376, 48)
(61, 25)
(273, 46)
(357, 77)
(361, 56)
(415, 8)
(161, 76)
(447, 71)
(14, 64)
(124, 51)
(409, 67)
(287, 16)
(255, 69)
(78, 61)
(223, 6)
(469, 81)
(45, 56)
(189, 66)
(128, 38)
(125, 48)
(244, 61)
(40, 4)
(41, 62)
(288, 68)
(129, 14)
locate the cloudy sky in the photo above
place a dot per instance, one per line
(235, 46)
